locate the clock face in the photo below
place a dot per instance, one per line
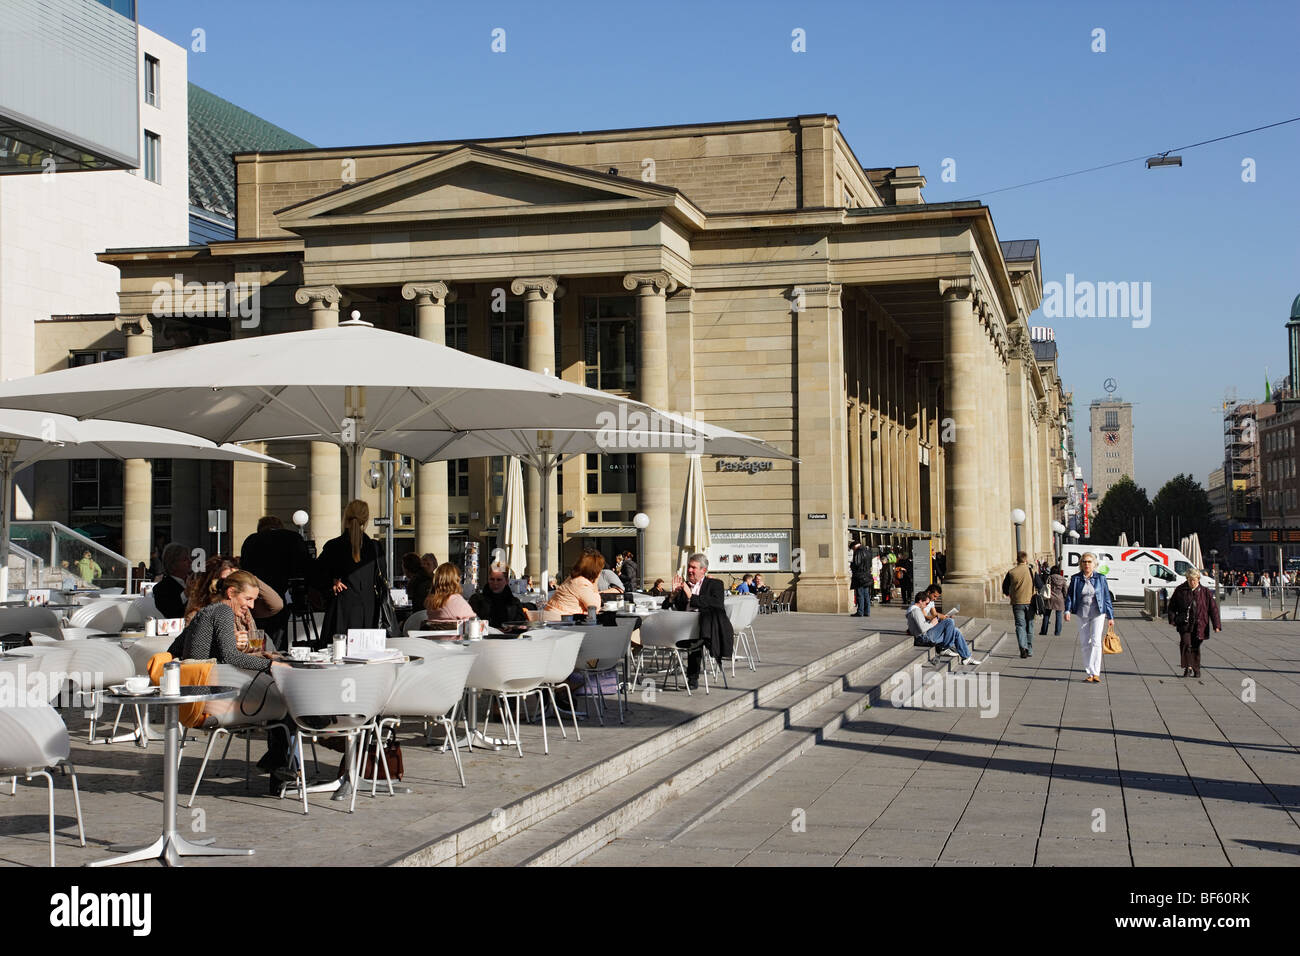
(1112, 438)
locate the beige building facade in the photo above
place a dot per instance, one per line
(751, 274)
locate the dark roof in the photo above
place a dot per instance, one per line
(218, 128)
(1044, 351)
(1019, 250)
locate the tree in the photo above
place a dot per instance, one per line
(1125, 510)
(1184, 500)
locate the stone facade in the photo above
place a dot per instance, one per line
(764, 281)
(1110, 424)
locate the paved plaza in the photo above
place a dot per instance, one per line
(790, 766)
(1144, 769)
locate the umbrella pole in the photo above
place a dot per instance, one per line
(548, 466)
(7, 450)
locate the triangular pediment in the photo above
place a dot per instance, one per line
(473, 180)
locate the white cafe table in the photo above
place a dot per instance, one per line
(170, 846)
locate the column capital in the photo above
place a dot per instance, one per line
(428, 293)
(650, 283)
(957, 287)
(133, 324)
(318, 297)
(543, 287)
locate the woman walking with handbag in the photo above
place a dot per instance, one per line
(1089, 597)
(1193, 610)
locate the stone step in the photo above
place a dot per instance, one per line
(716, 768)
(509, 821)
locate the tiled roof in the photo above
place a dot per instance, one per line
(218, 128)
(1019, 250)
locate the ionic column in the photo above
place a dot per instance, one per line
(137, 473)
(326, 498)
(431, 531)
(964, 355)
(539, 295)
(654, 483)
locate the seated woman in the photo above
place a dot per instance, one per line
(418, 582)
(658, 590)
(206, 589)
(578, 593)
(212, 633)
(446, 603)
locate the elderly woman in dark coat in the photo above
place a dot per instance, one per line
(1057, 601)
(1193, 611)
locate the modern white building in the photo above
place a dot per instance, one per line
(52, 223)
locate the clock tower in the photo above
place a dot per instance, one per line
(1110, 422)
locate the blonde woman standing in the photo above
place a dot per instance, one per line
(1088, 596)
(350, 572)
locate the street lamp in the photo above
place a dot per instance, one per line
(641, 521)
(300, 518)
(1214, 569)
(1017, 518)
(1058, 529)
(392, 473)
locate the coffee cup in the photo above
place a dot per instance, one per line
(137, 685)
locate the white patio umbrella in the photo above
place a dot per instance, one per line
(27, 437)
(354, 385)
(1123, 539)
(693, 533)
(513, 526)
(1193, 550)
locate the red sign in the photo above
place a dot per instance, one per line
(1132, 554)
(1085, 509)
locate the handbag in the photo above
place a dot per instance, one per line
(1110, 643)
(392, 756)
(1045, 592)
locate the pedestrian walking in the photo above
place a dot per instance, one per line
(1089, 597)
(1193, 611)
(860, 578)
(1056, 602)
(1018, 585)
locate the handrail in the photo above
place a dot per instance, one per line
(60, 529)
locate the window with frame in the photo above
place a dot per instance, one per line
(611, 474)
(610, 349)
(458, 478)
(1112, 420)
(456, 326)
(162, 483)
(80, 357)
(151, 74)
(506, 336)
(152, 157)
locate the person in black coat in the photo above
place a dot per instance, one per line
(707, 596)
(860, 578)
(169, 593)
(498, 604)
(275, 555)
(350, 570)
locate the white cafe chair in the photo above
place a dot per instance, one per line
(257, 694)
(741, 611)
(512, 670)
(313, 696)
(106, 615)
(564, 661)
(33, 738)
(431, 691)
(663, 632)
(415, 622)
(603, 651)
(29, 620)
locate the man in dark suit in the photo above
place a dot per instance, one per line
(276, 556)
(707, 596)
(169, 593)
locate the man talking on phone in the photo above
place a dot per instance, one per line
(704, 594)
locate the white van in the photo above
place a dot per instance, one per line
(1130, 571)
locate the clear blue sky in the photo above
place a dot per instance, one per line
(1011, 91)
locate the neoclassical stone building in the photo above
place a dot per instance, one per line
(752, 274)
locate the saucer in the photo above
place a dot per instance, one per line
(122, 691)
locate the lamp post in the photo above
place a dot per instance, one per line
(641, 521)
(1214, 570)
(391, 472)
(1017, 518)
(1058, 530)
(300, 518)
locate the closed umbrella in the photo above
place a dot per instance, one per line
(693, 534)
(1123, 539)
(1193, 550)
(513, 526)
(27, 437)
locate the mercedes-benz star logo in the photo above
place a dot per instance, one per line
(1110, 385)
